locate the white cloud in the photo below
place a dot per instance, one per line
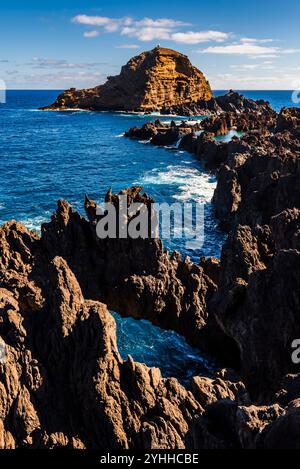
(38, 62)
(289, 51)
(264, 56)
(128, 46)
(159, 23)
(149, 29)
(144, 29)
(242, 81)
(240, 49)
(249, 49)
(91, 34)
(191, 37)
(60, 80)
(249, 40)
(146, 33)
(259, 66)
(110, 24)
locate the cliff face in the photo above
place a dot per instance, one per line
(152, 81)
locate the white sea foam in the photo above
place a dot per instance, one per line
(120, 135)
(35, 223)
(145, 142)
(228, 137)
(191, 183)
(60, 110)
(193, 122)
(152, 114)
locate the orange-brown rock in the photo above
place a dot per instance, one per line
(152, 81)
(63, 383)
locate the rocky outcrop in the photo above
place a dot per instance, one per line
(262, 120)
(257, 200)
(257, 174)
(227, 425)
(161, 134)
(258, 299)
(237, 103)
(288, 119)
(259, 179)
(157, 80)
(245, 116)
(63, 383)
(136, 277)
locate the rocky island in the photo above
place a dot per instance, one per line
(158, 80)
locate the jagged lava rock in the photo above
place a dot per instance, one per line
(63, 383)
(258, 299)
(137, 277)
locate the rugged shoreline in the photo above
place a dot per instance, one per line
(64, 385)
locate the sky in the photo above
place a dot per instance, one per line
(242, 45)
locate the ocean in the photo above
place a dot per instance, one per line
(46, 156)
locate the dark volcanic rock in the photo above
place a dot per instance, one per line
(188, 143)
(227, 425)
(137, 277)
(245, 116)
(202, 107)
(288, 119)
(284, 432)
(258, 301)
(235, 102)
(170, 137)
(146, 132)
(225, 385)
(63, 383)
(161, 134)
(263, 120)
(259, 179)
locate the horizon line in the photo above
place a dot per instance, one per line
(214, 89)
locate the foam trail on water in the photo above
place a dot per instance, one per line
(192, 184)
(34, 223)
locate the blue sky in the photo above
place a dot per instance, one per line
(237, 44)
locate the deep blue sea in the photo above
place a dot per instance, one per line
(46, 156)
